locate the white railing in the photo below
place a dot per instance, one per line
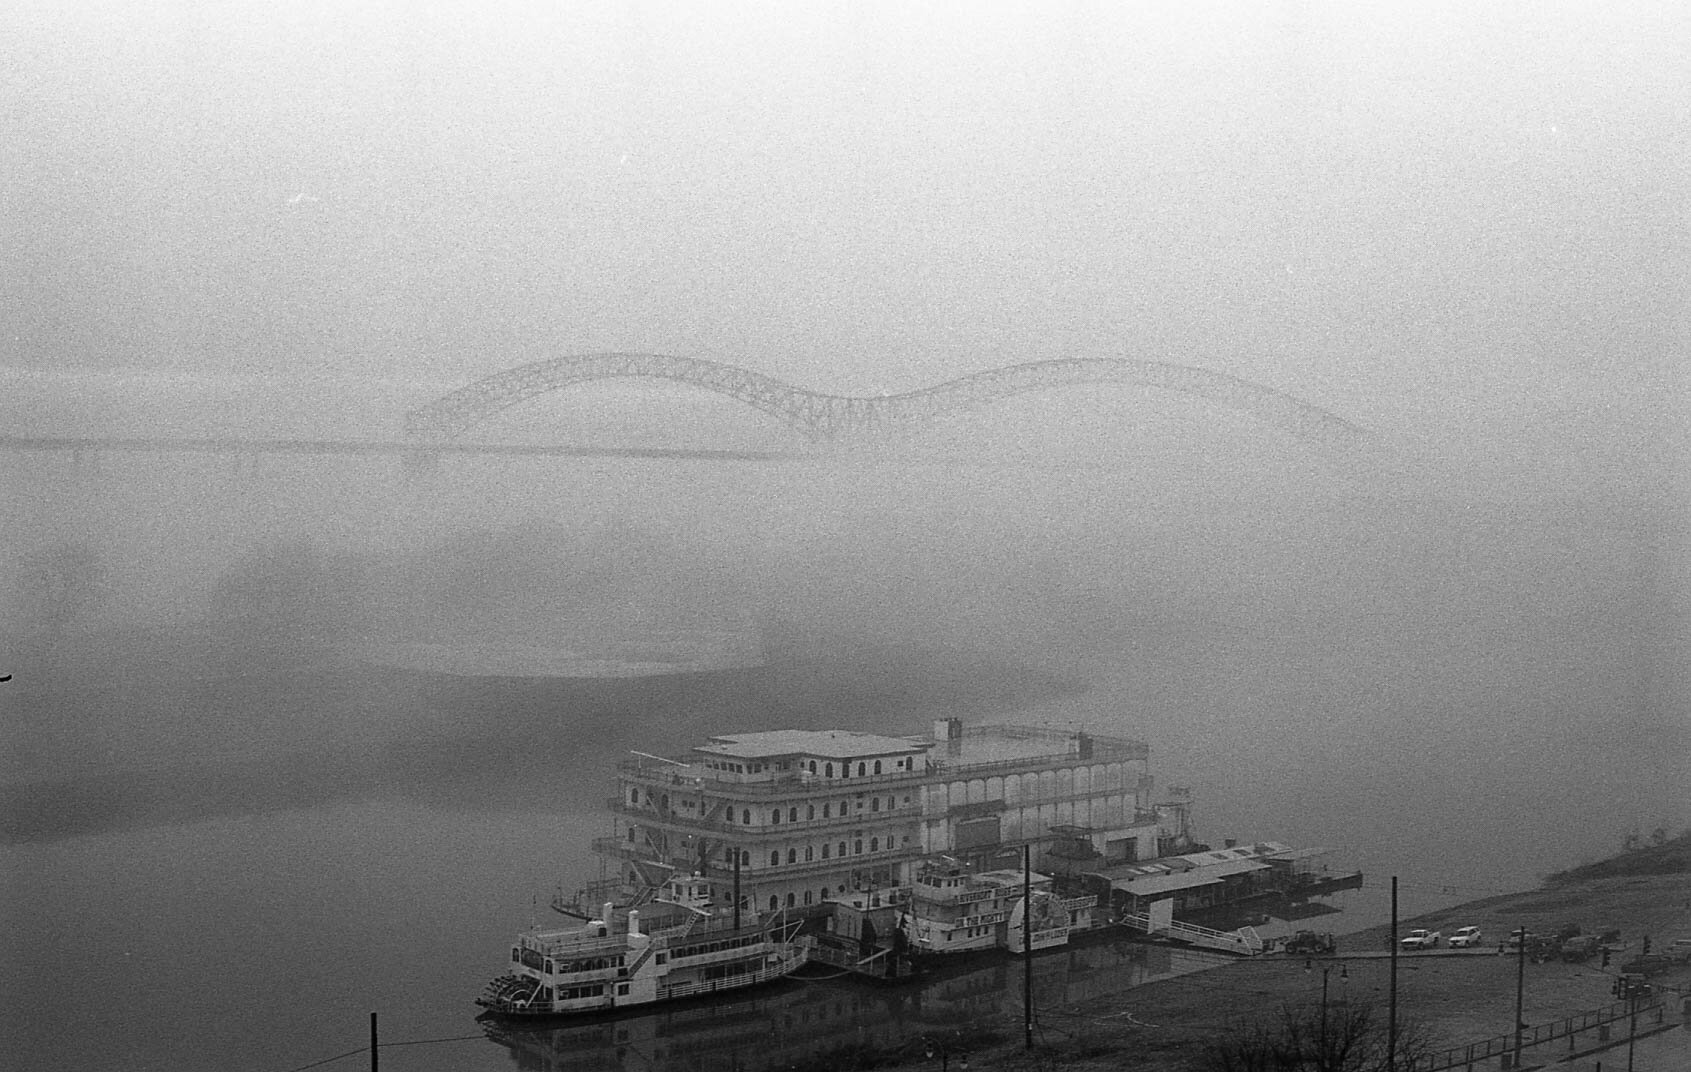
(1245, 941)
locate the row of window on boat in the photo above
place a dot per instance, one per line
(828, 812)
(530, 958)
(568, 993)
(702, 948)
(864, 769)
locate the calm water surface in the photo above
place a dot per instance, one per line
(264, 942)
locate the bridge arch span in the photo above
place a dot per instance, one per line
(820, 416)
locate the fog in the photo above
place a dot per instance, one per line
(1463, 652)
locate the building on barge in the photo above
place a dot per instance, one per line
(1214, 880)
(795, 819)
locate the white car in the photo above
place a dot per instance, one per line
(1421, 939)
(1464, 937)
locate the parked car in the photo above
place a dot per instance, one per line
(1464, 937)
(1421, 939)
(1309, 943)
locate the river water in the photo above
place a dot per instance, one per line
(228, 860)
(265, 941)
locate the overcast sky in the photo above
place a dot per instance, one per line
(1411, 213)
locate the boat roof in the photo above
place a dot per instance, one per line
(1151, 885)
(824, 744)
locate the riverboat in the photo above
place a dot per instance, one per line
(674, 947)
(889, 851)
(954, 909)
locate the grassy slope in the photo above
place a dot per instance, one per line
(1459, 999)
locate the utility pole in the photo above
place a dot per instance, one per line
(1027, 943)
(1391, 1000)
(1520, 991)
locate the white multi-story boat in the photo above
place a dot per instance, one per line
(801, 818)
(675, 946)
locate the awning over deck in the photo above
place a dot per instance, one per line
(1150, 884)
(1153, 885)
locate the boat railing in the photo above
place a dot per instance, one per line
(782, 965)
(573, 943)
(653, 774)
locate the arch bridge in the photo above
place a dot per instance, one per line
(824, 417)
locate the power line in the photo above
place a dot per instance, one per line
(331, 1060)
(386, 1046)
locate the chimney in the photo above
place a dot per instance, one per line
(634, 923)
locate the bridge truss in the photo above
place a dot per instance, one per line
(825, 417)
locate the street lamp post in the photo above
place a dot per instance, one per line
(1326, 969)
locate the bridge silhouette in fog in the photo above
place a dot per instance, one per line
(824, 417)
(432, 430)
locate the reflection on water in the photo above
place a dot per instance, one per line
(773, 1028)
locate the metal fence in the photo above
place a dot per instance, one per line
(1536, 1035)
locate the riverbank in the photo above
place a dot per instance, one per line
(1458, 997)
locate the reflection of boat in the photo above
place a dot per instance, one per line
(807, 1023)
(611, 963)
